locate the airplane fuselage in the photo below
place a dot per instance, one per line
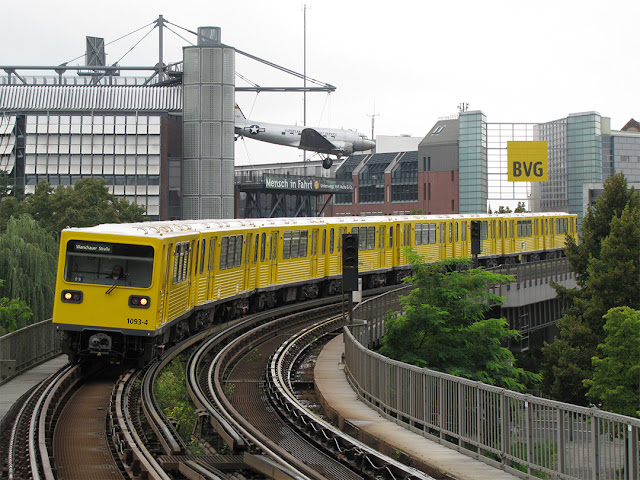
(338, 142)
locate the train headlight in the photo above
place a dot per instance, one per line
(72, 296)
(139, 301)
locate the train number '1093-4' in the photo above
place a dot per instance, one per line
(137, 321)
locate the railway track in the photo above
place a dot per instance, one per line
(260, 423)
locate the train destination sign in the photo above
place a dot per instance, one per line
(307, 184)
(528, 161)
(92, 247)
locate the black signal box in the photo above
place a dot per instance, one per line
(350, 262)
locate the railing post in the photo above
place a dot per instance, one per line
(441, 406)
(505, 429)
(529, 436)
(595, 450)
(631, 469)
(560, 440)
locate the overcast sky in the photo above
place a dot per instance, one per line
(409, 62)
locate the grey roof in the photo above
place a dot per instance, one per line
(90, 98)
(444, 131)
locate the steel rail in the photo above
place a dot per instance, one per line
(359, 455)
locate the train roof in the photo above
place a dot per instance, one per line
(180, 227)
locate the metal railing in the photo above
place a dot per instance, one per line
(27, 347)
(534, 274)
(524, 435)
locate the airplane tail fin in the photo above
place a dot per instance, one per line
(239, 116)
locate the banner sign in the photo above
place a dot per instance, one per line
(307, 184)
(528, 161)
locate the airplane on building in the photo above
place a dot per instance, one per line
(325, 141)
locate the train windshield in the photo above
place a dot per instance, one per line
(109, 263)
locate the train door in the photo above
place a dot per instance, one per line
(494, 237)
(512, 236)
(167, 255)
(314, 253)
(395, 244)
(248, 257)
(443, 241)
(190, 284)
(273, 258)
(210, 268)
(382, 251)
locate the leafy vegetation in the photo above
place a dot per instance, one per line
(616, 376)
(173, 398)
(84, 204)
(442, 325)
(607, 265)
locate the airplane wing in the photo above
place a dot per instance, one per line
(310, 139)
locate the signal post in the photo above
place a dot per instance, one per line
(350, 242)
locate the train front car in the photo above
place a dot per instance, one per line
(107, 295)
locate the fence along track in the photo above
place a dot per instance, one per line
(503, 428)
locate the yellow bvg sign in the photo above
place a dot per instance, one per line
(528, 161)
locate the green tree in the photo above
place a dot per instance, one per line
(616, 376)
(521, 208)
(84, 204)
(503, 209)
(607, 266)
(28, 258)
(443, 326)
(417, 211)
(14, 314)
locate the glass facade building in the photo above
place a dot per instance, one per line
(124, 150)
(472, 162)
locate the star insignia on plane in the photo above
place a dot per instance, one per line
(254, 129)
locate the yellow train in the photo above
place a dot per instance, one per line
(126, 291)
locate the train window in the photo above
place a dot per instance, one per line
(263, 246)
(499, 229)
(324, 241)
(255, 250)
(355, 230)
(432, 233)
(304, 240)
(224, 248)
(457, 229)
(238, 254)
(363, 239)
(231, 251)
(286, 245)
(176, 262)
(184, 262)
(314, 243)
(524, 228)
(464, 232)
(443, 232)
(418, 234)
(371, 238)
(202, 255)
(391, 236)
(340, 233)
(295, 244)
(381, 235)
(483, 230)
(197, 256)
(331, 241)
(93, 262)
(450, 233)
(407, 235)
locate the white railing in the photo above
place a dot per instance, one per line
(525, 435)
